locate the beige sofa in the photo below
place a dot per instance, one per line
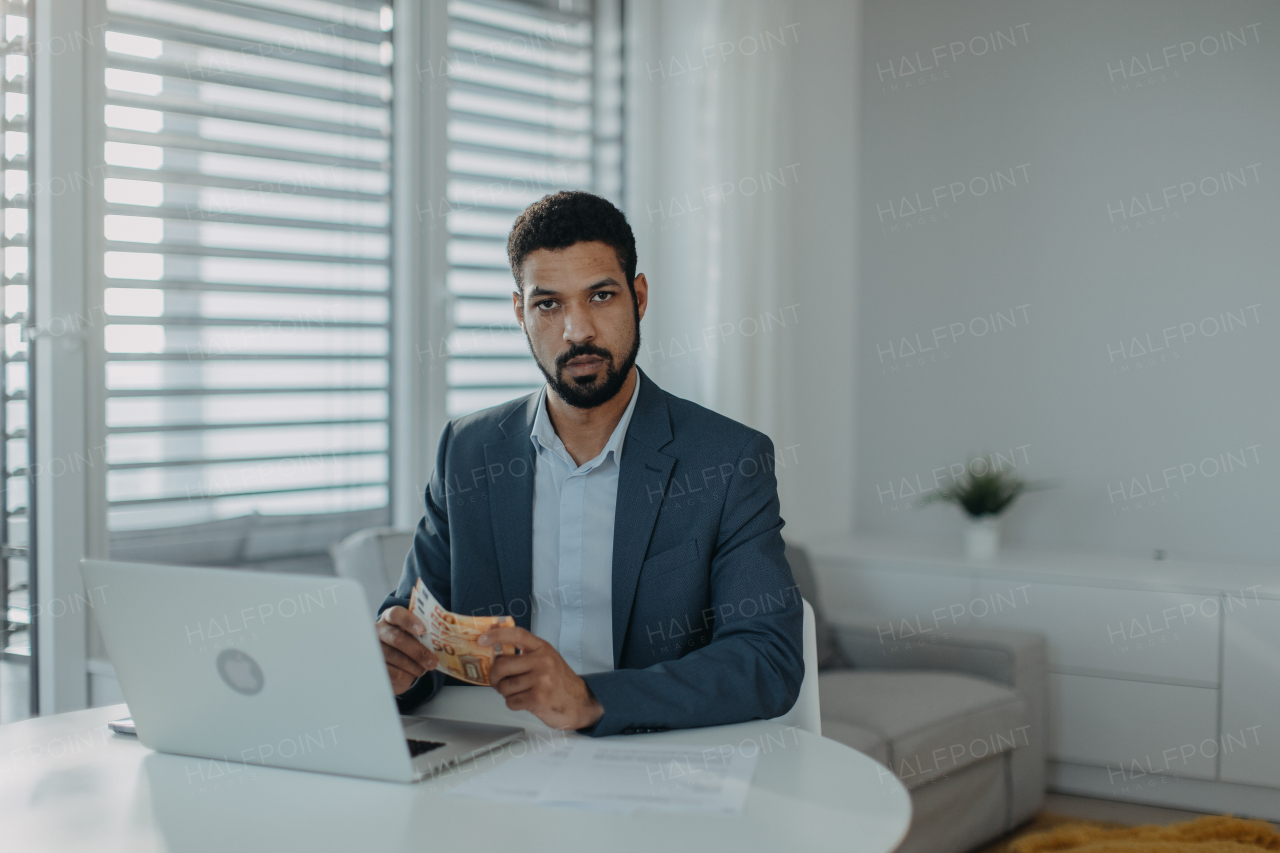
(958, 716)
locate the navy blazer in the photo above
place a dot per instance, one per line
(707, 619)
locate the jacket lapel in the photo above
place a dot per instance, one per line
(642, 482)
(510, 463)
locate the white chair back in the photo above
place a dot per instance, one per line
(806, 713)
(375, 558)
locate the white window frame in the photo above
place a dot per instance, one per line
(69, 413)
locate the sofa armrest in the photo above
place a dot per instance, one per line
(1017, 659)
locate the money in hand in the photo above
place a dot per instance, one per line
(454, 638)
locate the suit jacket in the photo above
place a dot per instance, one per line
(706, 616)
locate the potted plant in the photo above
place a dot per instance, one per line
(983, 495)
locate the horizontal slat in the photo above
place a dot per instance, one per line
(541, 56)
(248, 322)
(166, 32)
(202, 427)
(200, 74)
(565, 90)
(522, 387)
(184, 142)
(540, 21)
(220, 392)
(200, 109)
(216, 252)
(199, 215)
(511, 123)
(190, 463)
(301, 22)
(216, 286)
(180, 499)
(194, 179)
(194, 357)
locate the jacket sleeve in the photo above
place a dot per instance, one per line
(428, 559)
(753, 666)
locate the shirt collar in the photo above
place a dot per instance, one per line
(544, 435)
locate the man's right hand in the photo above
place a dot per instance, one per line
(407, 659)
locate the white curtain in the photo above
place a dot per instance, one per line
(710, 186)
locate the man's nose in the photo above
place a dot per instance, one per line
(578, 327)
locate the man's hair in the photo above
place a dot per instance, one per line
(559, 220)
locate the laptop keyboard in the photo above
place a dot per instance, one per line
(419, 747)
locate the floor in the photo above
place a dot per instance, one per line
(1111, 811)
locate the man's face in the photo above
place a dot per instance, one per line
(582, 325)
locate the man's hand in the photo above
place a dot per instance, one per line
(538, 680)
(407, 659)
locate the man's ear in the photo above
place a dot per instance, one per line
(517, 302)
(641, 286)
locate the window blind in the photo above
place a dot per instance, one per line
(247, 292)
(533, 108)
(15, 373)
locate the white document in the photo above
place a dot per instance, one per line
(609, 775)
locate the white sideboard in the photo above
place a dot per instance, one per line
(1164, 674)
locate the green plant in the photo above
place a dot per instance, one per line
(986, 493)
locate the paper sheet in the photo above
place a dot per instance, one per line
(615, 776)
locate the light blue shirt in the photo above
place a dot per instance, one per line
(573, 509)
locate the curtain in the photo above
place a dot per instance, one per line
(710, 185)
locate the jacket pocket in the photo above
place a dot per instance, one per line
(672, 558)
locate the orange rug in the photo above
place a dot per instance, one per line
(1216, 834)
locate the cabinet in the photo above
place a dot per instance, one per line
(1250, 738)
(1167, 667)
(1133, 728)
(1167, 636)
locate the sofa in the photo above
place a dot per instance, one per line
(958, 715)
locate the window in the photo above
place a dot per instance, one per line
(534, 107)
(15, 615)
(247, 263)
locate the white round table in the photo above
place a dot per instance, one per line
(68, 784)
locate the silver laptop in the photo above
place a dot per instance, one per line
(271, 669)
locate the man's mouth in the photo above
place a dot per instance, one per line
(583, 365)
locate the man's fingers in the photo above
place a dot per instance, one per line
(395, 657)
(400, 680)
(395, 638)
(513, 684)
(404, 619)
(518, 637)
(522, 701)
(505, 666)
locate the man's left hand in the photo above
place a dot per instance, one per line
(538, 680)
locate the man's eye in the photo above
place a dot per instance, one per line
(603, 295)
(547, 305)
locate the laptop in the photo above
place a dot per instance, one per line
(272, 669)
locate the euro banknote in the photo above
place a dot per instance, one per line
(454, 638)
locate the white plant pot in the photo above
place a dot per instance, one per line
(982, 538)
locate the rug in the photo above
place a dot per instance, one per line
(1214, 834)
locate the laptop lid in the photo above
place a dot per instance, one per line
(234, 665)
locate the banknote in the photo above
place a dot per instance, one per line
(455, 638)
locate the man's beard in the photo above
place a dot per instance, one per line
(587, 392)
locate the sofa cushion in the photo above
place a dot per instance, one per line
(934, 723)
(864, 740)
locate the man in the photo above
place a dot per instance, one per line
(634, 536)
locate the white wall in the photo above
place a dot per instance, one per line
(1081, 135)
